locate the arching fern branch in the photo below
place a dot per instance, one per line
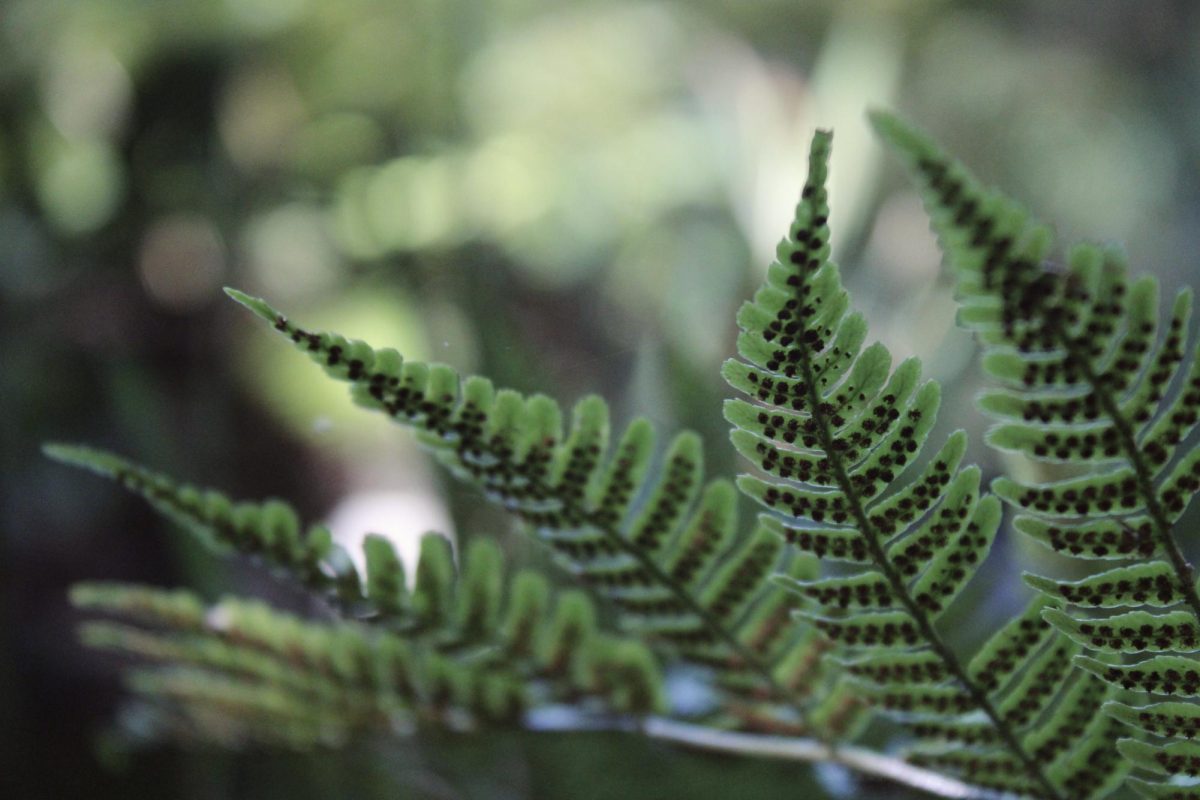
(839, 432)
(241, 673)
(1089, 384)
(661, 546)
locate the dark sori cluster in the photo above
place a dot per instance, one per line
(828, 605)
(839, 433)
(1089, 381)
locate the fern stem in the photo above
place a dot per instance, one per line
(1184, 572)
(812, 751)
(860, 760)
(900, 590)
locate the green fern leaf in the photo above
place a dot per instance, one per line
(1167, 675)
(1132, 632)
(838, 434)
(1175, 758)
(1096, 383)
(241, 672)
(385, 585)
(657, 542)
(1149, 584)
(1169, 720)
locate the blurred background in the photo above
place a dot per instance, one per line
(569, 197)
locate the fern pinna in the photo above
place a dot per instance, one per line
(1094, 384)
(839, 433)
(460, 649)
(657, 543)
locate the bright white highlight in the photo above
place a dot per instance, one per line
(401, 516)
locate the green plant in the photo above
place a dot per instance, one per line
(796, 656)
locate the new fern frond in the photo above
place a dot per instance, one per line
(1093, 380)
(674, 564)
(839, 433)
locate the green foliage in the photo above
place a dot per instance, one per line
(657, 542)
(839, 433)
(1095, 383)
(463, 649)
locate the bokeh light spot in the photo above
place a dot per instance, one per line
(401, 516)
(181, 262)
(81, 186)
(289, 251)
(86, 91)
(261, 110)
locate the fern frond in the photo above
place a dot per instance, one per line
(1096, 381)
(240, 672)
(658, 543)
(839, 433)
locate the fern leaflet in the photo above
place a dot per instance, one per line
(839, 433)
(1089, 382)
